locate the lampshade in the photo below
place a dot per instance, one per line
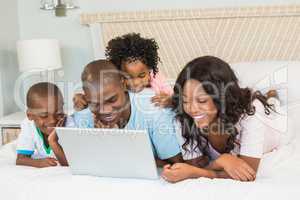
(39, 55)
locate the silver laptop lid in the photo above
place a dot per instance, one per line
(116, 153)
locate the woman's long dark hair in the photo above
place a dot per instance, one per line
(232, 102)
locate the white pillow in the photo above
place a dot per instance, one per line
(8, 154)
(284, 76)
(264, 75)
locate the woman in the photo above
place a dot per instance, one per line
(221, 123)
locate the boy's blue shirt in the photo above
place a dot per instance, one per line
(159, 123)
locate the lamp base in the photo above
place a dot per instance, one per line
(61, 10)
(68, 7)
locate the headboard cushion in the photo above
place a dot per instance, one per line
(233, 34)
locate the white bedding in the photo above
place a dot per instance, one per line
(278, 178)
(280, 181)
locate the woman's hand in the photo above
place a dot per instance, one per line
(178, 172)
(236, 168)
(79, 102)
(162, 100)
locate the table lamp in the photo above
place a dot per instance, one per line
(39, 55)
(36, 56)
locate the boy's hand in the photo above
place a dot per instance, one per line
(52, 138)
(162, 100)
(236, 168)
(47, 162)
(79, 102)
(62, 121)
(178, 172)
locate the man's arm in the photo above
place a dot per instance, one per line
(175, 159)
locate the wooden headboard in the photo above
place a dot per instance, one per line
(233, 34)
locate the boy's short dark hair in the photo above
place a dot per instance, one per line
(132, 47)
(42, 89)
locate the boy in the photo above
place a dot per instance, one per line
(110, 105)
(38, 144)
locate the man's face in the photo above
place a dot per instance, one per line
(107, 103)
(46, 112)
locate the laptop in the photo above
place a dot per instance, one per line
(117, 153)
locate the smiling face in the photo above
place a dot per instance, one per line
(138, 75)
(198, 104)
(46, 112)
(108, 103)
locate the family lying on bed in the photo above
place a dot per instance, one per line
(215, 128)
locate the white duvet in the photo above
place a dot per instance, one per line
(278, 179)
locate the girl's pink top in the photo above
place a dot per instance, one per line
(159, 84)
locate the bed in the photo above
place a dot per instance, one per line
(281, 181)
(264, 39)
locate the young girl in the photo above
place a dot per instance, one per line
(220, 122)
(137, 57)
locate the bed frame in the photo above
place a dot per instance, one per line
(233, 34)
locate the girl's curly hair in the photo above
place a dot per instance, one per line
(232, 102)
(132, 47)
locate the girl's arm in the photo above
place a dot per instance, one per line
(162, 100)
(79, 102)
